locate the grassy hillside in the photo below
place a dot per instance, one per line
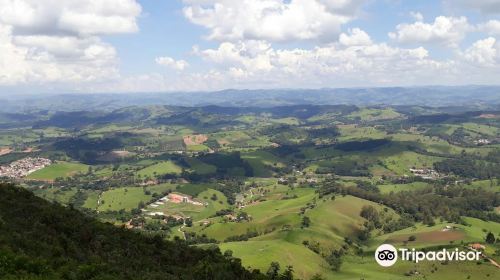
(59, 170)
(167, 167)
(40, 240)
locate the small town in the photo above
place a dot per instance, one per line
(23, 167)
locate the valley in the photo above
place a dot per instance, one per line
(314, 187)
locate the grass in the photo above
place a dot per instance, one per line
(368, 114)
(289, 121)
(59, 170)
(196, 212)
(260, 254)
(61, 195)
(482, 129)
(200, 167)
(197, 148)
(402, 187)
(166, 167)
(128, 198)
(493, 185)
(91, 201)
(192, 189)
(353, 132)
(261, 161)
(122, 198)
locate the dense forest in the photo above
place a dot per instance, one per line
(40, 240)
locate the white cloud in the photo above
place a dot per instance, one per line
(82, 17)
(45, 59)
(257, 64)
(417, 16)
(52, 41)
(333, 65)
(271, 20)
(485, 53)
(356, 37)
(448, 31)
(172, 63)
(492, 27)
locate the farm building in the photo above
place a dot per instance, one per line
(178, 198)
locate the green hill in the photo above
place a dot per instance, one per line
(41, 240)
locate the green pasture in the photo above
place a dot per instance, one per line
(200, 167)
(59, 170)
(166, 167)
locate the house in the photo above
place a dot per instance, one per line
(477, 246)
(425, 173)
(230, 217)
(183, 198)
(175, 217)
(282, 181)
(178, 198)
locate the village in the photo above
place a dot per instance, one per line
(425, 173)
(23, 167)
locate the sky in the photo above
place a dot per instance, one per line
(95, 46)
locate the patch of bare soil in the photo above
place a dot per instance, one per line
(195, 139)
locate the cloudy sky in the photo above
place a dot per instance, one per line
(190, 45)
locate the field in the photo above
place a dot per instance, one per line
(402, 187)
(167, 167)
(56, 194)
(196, 212)
(128, 197)
(367, 114)
(201, 167)
(261, 162)
(58, 170)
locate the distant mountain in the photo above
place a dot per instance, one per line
(478, 97)
(42, 241)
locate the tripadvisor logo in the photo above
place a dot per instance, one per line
(386, 255)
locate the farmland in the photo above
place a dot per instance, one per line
(322, 184)
(59, 170)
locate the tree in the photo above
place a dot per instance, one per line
(306, 222)
(335, 260)
(490, 238)
(228, 253)
(242, 216)
(287, 274)
(371, 214)
(273, 271)
(317, 277)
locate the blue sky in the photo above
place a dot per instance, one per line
(192, 45)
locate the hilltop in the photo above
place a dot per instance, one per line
(41, 240)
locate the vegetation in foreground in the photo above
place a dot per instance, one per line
(40, 240)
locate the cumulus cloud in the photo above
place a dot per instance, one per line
(70, 16)
(172, 63)
(485, 52)
(355, 37)
(447, 31)
(417, 16)
(271, 20)
(50, 41)
(492, 27)
(336, 64)
(45, 59)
